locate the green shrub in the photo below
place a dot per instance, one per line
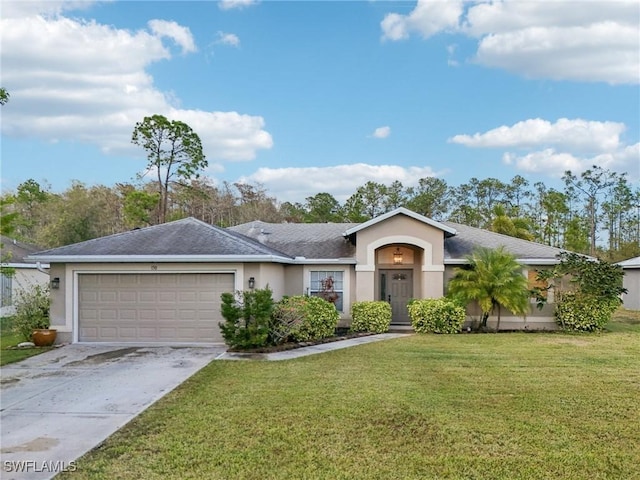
(370, 316)
(32, 311)
(247, 316)
(301, 318)
(584, 313)
(436, 315)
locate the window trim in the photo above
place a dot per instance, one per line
(331, 272)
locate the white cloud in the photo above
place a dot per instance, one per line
(233, 4)
(77, 80)
(294, 184)
(381, 132)
(427, 19)
(179, 34)
(554, 163)
(231, 135)
(228, 39)
(553, 148)
(585, 40)
(576, 134)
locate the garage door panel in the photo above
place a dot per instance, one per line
(167, 297)
(151, 307)
(124, 297)
(145, 296)
(108, 297)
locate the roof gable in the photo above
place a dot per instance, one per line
(401, 211)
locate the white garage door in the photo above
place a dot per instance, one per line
(163, 307)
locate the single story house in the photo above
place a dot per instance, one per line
(26, 273)
(163, 283)
(631, 281)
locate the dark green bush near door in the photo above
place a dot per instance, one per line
(247, 317)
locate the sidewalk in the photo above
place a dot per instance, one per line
(311, 350)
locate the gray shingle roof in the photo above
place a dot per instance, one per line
(14, 251)
(310, 240)
(468, 238)
(183, 237)
(284, 241)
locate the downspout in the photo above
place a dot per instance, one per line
(40, 269)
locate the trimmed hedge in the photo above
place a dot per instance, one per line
(305, 318)
(584, 313)
(370, 316)
(436, 315)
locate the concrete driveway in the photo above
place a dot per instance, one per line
(58, 405)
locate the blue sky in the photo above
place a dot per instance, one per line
(307, 97)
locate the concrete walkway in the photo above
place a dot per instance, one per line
(58, 405)
(311, 350)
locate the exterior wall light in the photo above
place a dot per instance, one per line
(252, 283)
(55, 283)
(397, 257)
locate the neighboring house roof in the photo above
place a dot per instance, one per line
(14, 253)
(630, 263)
(183, 240)
(469, 238)
(309, 240)
(401, 211)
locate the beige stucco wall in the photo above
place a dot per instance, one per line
(271, 275)
(293, 283)
(423, 251)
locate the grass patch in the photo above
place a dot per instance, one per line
(515, 406)
(9, 339)
(624, 321)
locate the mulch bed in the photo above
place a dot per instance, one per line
(293, 345)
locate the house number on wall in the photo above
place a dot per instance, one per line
(154, 267)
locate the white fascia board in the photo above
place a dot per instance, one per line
(404, 211)
(317, 261)
(25, 265)
(524, 261)
(163, 259)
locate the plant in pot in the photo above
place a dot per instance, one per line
(31, 319)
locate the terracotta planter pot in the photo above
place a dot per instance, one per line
(44, 337)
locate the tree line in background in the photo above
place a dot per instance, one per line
(596, 213)
(597, 203)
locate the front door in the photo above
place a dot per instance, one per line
(396, 287)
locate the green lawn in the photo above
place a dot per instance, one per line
(9, 339)
(507, 406)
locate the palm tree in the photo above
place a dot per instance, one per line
(494, 279)
(513, 226)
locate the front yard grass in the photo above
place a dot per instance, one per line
(512, 406)
(9, 339)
